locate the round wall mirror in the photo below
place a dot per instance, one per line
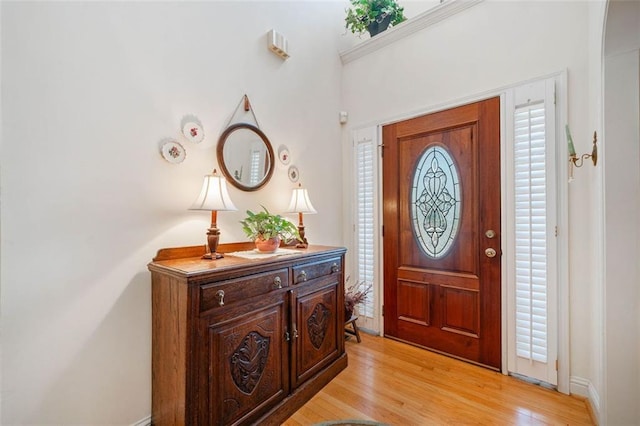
(245, 156)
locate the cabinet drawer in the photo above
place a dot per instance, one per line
(312, 270)
(225, 293)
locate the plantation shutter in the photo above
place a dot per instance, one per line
(532, 246)
(365, 227)
(531, 232)
(255, 167)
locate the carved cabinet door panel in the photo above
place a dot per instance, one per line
(315, 329)
(249, 359)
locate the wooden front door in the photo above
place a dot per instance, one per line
(441, 217)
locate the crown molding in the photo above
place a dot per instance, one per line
(424, 20)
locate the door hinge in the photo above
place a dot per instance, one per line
(556, 365)
(382, 310)
(382, 230)
(556, 231)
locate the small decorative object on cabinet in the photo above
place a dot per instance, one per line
(267, 230)
(241, 341)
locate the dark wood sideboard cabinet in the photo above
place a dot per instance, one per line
(243, 341)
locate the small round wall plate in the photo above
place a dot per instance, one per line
(173, 152)
(193, 131)
(283, 155)
(294, 174)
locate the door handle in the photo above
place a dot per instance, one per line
(490, 252)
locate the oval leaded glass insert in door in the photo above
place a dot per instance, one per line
(435, 201)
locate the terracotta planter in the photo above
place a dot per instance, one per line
(267, 246)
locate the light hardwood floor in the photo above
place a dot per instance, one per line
(402, 385)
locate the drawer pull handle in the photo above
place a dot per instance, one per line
(334, 268)
(277, 282)
(220, 296)
(302, 276)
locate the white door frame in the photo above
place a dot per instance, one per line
(562, 196)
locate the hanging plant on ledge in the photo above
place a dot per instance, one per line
(373, 16)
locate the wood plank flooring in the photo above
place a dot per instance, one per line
(398, 384)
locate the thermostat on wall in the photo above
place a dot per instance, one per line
(278, 44)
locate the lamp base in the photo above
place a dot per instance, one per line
(213, 236)
(303, 243)
(212, 256)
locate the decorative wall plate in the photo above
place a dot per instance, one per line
(283, 155)
(193, 131)
(294, 174)
(173, 152)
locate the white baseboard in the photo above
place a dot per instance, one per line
(585, 388)
(144, 422)
(594, 400)
(579, 386)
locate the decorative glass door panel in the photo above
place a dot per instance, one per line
(435, 201)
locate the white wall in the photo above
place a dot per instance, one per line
(621, 218)
(622, 243)
(492, 45)
(595, 384)
(88, 91)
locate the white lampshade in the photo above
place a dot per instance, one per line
(213, 195)
(300, 202)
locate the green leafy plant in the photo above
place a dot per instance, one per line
(368, 15)
(265, 225)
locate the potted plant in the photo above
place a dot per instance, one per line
(353, 296)
(373, 16)
(267, 230)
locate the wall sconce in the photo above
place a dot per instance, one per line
(213, 196)
(300, 204)
(574, 159)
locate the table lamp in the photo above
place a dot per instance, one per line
(214, 197)
(300, 204)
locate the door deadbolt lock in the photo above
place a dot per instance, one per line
(490, 252)
(490, 233)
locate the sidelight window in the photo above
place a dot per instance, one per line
(532, 241)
